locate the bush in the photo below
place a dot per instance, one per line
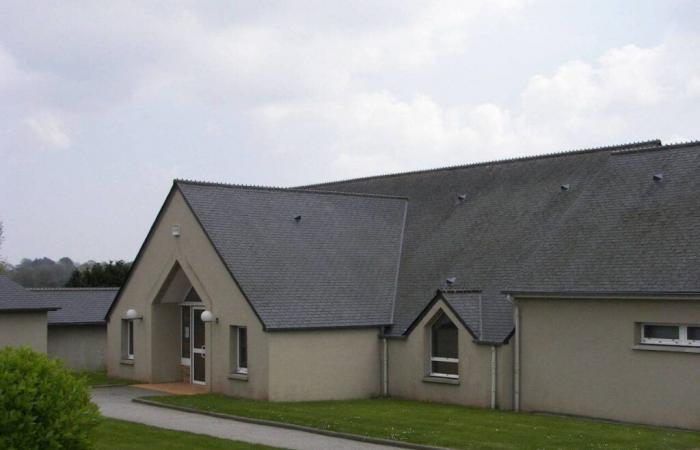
(42, 405)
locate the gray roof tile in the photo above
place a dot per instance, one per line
(78, 305)
(15, 297)
(336, 267)
(614, 229)
(511, 208)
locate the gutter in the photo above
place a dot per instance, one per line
(516, 356)
(385, 367)
(25, 310)
(493, 377)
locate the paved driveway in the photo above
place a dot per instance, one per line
(115, 402)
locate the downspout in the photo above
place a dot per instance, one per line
(385, 367)
(493, 377)
(516, 356)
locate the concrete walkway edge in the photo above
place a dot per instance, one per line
(291, 426)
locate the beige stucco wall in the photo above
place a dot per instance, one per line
(408, 367)
(577, 358)
(80, 347)
(153, 291)
(324, 364)
(23, 329)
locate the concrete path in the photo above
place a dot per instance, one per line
(115, 402)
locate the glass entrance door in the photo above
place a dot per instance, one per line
(199, 350)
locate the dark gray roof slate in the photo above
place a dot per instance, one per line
(627, 232)
(15, 297)
(511, 208)
(336, 267)
(78, 305)
(614, 229)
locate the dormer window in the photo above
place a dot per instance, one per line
(444, 354)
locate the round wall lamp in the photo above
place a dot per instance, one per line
(131, 314)
(208, 316)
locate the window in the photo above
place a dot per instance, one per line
(127, 339)
(242, 365)
(682, 335)
(185, 334)
(444, 355)
(239, 350)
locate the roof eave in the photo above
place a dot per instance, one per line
(72, 324)
(24, 310)
(686, 295)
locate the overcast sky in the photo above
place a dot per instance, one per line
(102, 104)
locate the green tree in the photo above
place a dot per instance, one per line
(42, 272)
(108, 274)
(42, 405)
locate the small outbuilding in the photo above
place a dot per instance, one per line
(23, 316)
(77, 332)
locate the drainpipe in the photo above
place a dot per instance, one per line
(493, 377)
(516, 356)
(385, 368)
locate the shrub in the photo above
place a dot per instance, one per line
(42, 405)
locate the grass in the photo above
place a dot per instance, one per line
(446, 425)
(119, 435)
(101, 378)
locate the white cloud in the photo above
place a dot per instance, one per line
(601, 101)
(49, 130)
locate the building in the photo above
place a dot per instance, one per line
(77, 332)
(23, 317)
(541, 283)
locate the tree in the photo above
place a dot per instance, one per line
(109, 274)
(42, 272)
(43, 405)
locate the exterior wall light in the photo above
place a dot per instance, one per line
(208, 316)
(131, 314)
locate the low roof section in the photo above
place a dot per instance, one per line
(305, 259)
(14, 298)
(79, 306)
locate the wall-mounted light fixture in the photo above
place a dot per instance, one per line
(175, 229)
(208, 316)
(131, 314)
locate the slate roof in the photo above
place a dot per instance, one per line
(613, 228)
(79, 306)
(629, 232)
(14, 297)
(592, 220)
(336, 266)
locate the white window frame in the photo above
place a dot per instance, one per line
(239, 369)
(440, 358)
(682, 340)
(130, 339)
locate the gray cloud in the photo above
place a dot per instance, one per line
(103, 103)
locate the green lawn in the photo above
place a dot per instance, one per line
(102, 379)
(118, 435)
(446, 425)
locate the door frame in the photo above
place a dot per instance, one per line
(193, 350)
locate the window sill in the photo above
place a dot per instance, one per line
(666, 348)
(238, 376)
(126, 362)
(440, 380)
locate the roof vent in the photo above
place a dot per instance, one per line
(297, 219)
(462, 197)
(450, 281)
(658, 177)
(565, 187)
